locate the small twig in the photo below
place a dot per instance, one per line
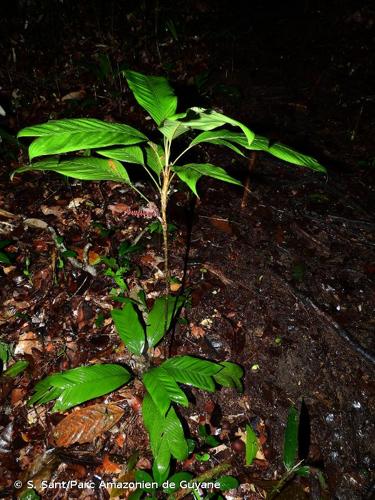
(250, 169)
(75, 263)
(8, 215)
(205, 477)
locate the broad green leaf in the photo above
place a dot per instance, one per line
(251, 445)
(154, 94)
(17, 368)
(174, 435)
(63, 136)
(176, 480)
(172, 129)
(129, 154)
(78, 385)
(230, 375)
(227, 483)
(209, 119)
(144, 477)
(193, 371)
(280, 151)
(192, 172)
(155, 157)
(162, 460)
(166, 437)
(291, 439)
(154, 423)
(160, 317)
(84, 168)
(220, 137)
(130, 328)
(163, 389)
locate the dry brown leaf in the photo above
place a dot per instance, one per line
(75, 95)
(85, 424)
(119, 208)
(28, 341)
(108, 467)
(197, 331)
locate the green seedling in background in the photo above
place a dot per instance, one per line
(5, 257)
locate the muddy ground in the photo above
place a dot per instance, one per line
(281, 279)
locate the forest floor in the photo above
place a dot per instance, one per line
(281, 280)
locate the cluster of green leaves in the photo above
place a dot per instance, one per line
(120, 143)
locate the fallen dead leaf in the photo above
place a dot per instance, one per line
(85, 424)
(73, 96)
(197, 331)
(108, 467)
(119, 208)
(27, 342)
(56, 211)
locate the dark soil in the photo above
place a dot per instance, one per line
(281, 280)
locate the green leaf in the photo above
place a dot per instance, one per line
(166, 437)
(29, 494)
(136, 495)
(130, 328)
(208, 119)
(280, 151)
(4, 258)
(202, 457)
(291, 439)
(176, 479)
(129, 154)
(230, 375)
(154, 94)
(163, 389)
(192, 172)
(78, 385)
(251, 445)
(63, 136)
(17, 368)
(221, 138)
(144, 477)
(227, 483)
(160, 317)
(4, 352)
(155, 157)
(193, 371)
(84, 168)
(303, 471)
(173, 129)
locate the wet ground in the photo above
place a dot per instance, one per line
(281, 280)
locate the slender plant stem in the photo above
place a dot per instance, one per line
(182, 154)
(152, 178)
(140, 193)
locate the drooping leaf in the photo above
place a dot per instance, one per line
(16, 368)
(130, 328)
(251, 445)
(63, 136)
(227, 483)
(230, 375)
(193, 371)
(163, 389)
(144, 477)
(291, 438)
(220, 137)
(279, 150)
(86, 424)
(154, 94)
(78, 385)
(84, 168)
(192, 172)
(166, 437)
(129, 154)
(160, 317)
(209, 119)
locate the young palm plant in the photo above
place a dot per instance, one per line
(92, 139)
(100, 151)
